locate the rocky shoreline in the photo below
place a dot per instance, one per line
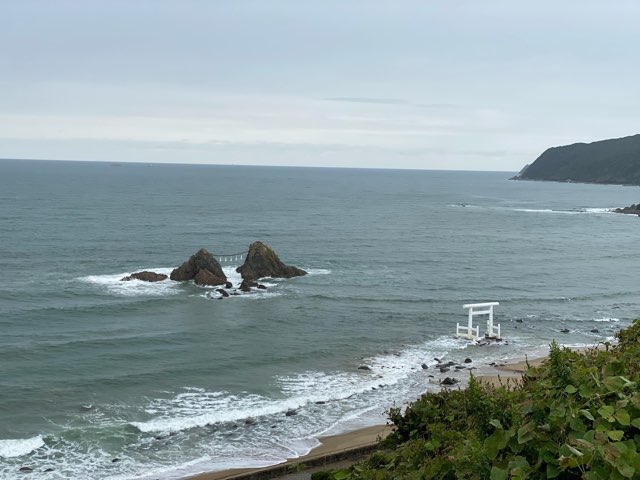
(630, 210)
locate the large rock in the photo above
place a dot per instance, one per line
(262, 262)
(202, 268)
(145, 277)
(632, 210)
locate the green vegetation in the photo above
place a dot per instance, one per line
(576, 416)
(614, 161)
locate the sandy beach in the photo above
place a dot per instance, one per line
(340, 451)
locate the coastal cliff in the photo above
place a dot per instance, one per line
(615, 161)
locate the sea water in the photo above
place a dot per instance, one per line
(107, 379)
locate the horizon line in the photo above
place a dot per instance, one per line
(121, 162)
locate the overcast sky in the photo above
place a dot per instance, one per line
(473, 85)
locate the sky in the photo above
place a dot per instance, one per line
(457, 85)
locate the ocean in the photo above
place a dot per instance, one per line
(105, 379)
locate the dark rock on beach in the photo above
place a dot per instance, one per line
(262, 261)
(364, 367)
(222, 292)
(26, 469)
(425, 366)
(202, 268)
(145, 277)
(291, 413)
(449, 381)
(246, 285)
(631, 210)
(467, 360)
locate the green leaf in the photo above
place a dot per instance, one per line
(526, 432)
(495, 442)
(625, 469)
(636, 422)
(496, 423)
(587, 414)
(615, 435)
(553, 471)
(573, 450)
(623, 418)
(606, 412)
(570, 389)
(499, 474)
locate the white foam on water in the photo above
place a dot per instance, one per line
(193, 409)
(112, 283)
(599, 210)
(606, 319)
(18, 447)
(318, 271)
(579, 211)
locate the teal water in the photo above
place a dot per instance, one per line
(170, 381)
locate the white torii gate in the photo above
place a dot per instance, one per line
(471, 333)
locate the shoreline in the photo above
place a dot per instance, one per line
(341, 450)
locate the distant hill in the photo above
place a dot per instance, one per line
(615, 161)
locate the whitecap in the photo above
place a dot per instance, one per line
(606, 319)
(19, 447)
(318, 271)
(112, 283)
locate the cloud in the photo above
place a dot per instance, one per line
(383, 101)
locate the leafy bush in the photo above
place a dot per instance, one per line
(575, 416)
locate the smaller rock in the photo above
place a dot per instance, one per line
(261, 287)
(222, 292)
(145, 277)
(425, 366)
(48, 470)
(518, 320)
(26, 469)
(206, 278)
(320, 402)
(444, 369)
(595, 330)
(467, 360)
(459, 367)
(364, 367)
(291, 413)
(565, 330)
(449, 381)
(115, 460)
(228, 285)
(246, 285)
(437, 360)
(250, 421)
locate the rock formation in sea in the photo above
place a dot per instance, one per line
(145, 277)
(262, 261)
(631, 210)
(202, 268)
(614, 161)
